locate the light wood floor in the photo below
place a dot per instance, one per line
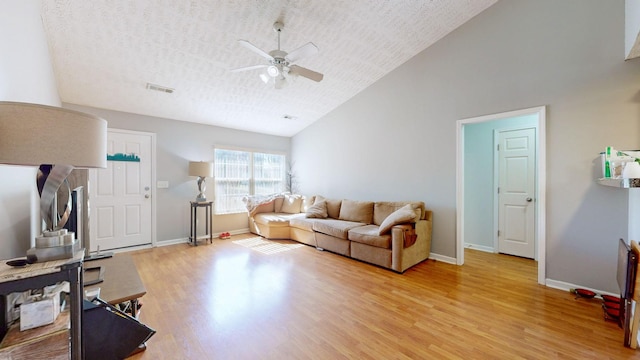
(226, 301)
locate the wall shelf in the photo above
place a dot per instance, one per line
(620, 183)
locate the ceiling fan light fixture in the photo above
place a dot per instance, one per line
(273, 71)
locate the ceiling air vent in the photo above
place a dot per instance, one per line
(160, 88)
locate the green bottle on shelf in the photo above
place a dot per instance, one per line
(607, 167)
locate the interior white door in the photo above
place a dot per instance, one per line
(120, 199)
(516, 192)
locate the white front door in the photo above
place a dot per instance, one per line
(120, 195)
(516, 192)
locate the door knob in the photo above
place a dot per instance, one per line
(529, 199)
(146, 196)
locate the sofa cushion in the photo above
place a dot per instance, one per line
(333, 206)
(369, 235)
(275, 219)
(357, 211)
(292, 204)
(318, 210)
(277, 204)
(403, 215)
(307, 202)
(335, 228)
(382, 209)
(267, 207)
(302, 223)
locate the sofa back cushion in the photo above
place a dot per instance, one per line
(291, 204)
(268, 207)
(277, 203)
(333, 206)
(358, 211)
(382, 209)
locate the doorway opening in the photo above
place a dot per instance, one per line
(464, 173)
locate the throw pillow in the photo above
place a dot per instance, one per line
(307, 201)
(291, 204)
(402, 215)
(318, 210)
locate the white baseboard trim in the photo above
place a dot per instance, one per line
(488, 249)
(561, 285)
(186, 240)
(445, 259)
(239, 231)
(171, 242)
(123, 250)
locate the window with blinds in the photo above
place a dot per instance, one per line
(240, 173)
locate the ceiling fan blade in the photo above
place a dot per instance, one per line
(255, 49)
(309, 74)
(252, 67)
(303, 51)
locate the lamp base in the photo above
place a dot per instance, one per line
(202, 187)
(61, 252)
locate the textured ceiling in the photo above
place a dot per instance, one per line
(104, 53)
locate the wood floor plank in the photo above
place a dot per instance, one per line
(227, 301)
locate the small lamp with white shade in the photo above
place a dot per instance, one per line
(202, 170)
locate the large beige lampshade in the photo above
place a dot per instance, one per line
(200, 168)
(33, 134)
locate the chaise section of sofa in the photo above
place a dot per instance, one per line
(394, 235)
(283, 217)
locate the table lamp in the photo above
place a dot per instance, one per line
(56, 140)
(201, 169)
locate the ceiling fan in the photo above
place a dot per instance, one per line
(280, 64)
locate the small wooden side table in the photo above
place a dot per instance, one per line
(193, 238)
(39, 275)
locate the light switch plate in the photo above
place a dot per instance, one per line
(163, 185)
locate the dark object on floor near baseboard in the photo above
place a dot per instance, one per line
(583, 293)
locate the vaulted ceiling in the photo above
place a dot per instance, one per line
(105, 52)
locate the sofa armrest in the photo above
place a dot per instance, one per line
(403, 257)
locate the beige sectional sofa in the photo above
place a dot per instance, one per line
(394, 235)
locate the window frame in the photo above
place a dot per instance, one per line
(252, 180)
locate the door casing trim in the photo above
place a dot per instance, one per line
(540, 111)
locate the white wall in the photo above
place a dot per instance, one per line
(25, 76)
(479, 182)
(179, 142)
(396, 139)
